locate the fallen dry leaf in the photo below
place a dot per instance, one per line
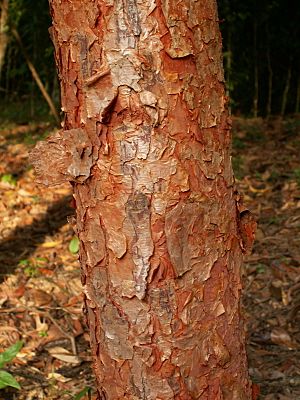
(48, 245)
(281, 337)
(64, 355)
(38, 297)
(58, 377)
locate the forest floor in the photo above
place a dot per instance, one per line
(40, 296)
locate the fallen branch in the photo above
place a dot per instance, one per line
(35, 76)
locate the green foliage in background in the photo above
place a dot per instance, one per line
(82, 393)
(6, 379)
(31, 267)
(9, 178)
(20, 98)
(260, 44)
(264, 33)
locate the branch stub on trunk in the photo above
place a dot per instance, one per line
(64, 156)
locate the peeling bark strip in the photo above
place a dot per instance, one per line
(146, 142)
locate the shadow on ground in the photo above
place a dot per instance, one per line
(22, 242)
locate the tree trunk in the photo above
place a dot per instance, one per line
(286, 90)
(270, 74)
(297, 96)
(3, 32)
(146, 143)
(256, 83)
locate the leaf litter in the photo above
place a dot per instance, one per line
(40, 289)
(40, 293)
(269, 181)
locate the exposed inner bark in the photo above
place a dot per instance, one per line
(146, 142)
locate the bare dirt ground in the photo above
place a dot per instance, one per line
(40, 291)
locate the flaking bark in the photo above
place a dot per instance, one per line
(147, 136)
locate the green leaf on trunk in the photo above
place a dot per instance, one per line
(6, 379)
(74, 245)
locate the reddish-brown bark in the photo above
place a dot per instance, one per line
(146, 143)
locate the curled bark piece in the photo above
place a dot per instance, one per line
(64, 156)
(247, 226)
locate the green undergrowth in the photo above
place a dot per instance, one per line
(24, 112)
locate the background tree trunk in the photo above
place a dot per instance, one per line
(256, 83)
(3, 31)
(286, 90)
(270, 74)
(297, 97)
(146, 142)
